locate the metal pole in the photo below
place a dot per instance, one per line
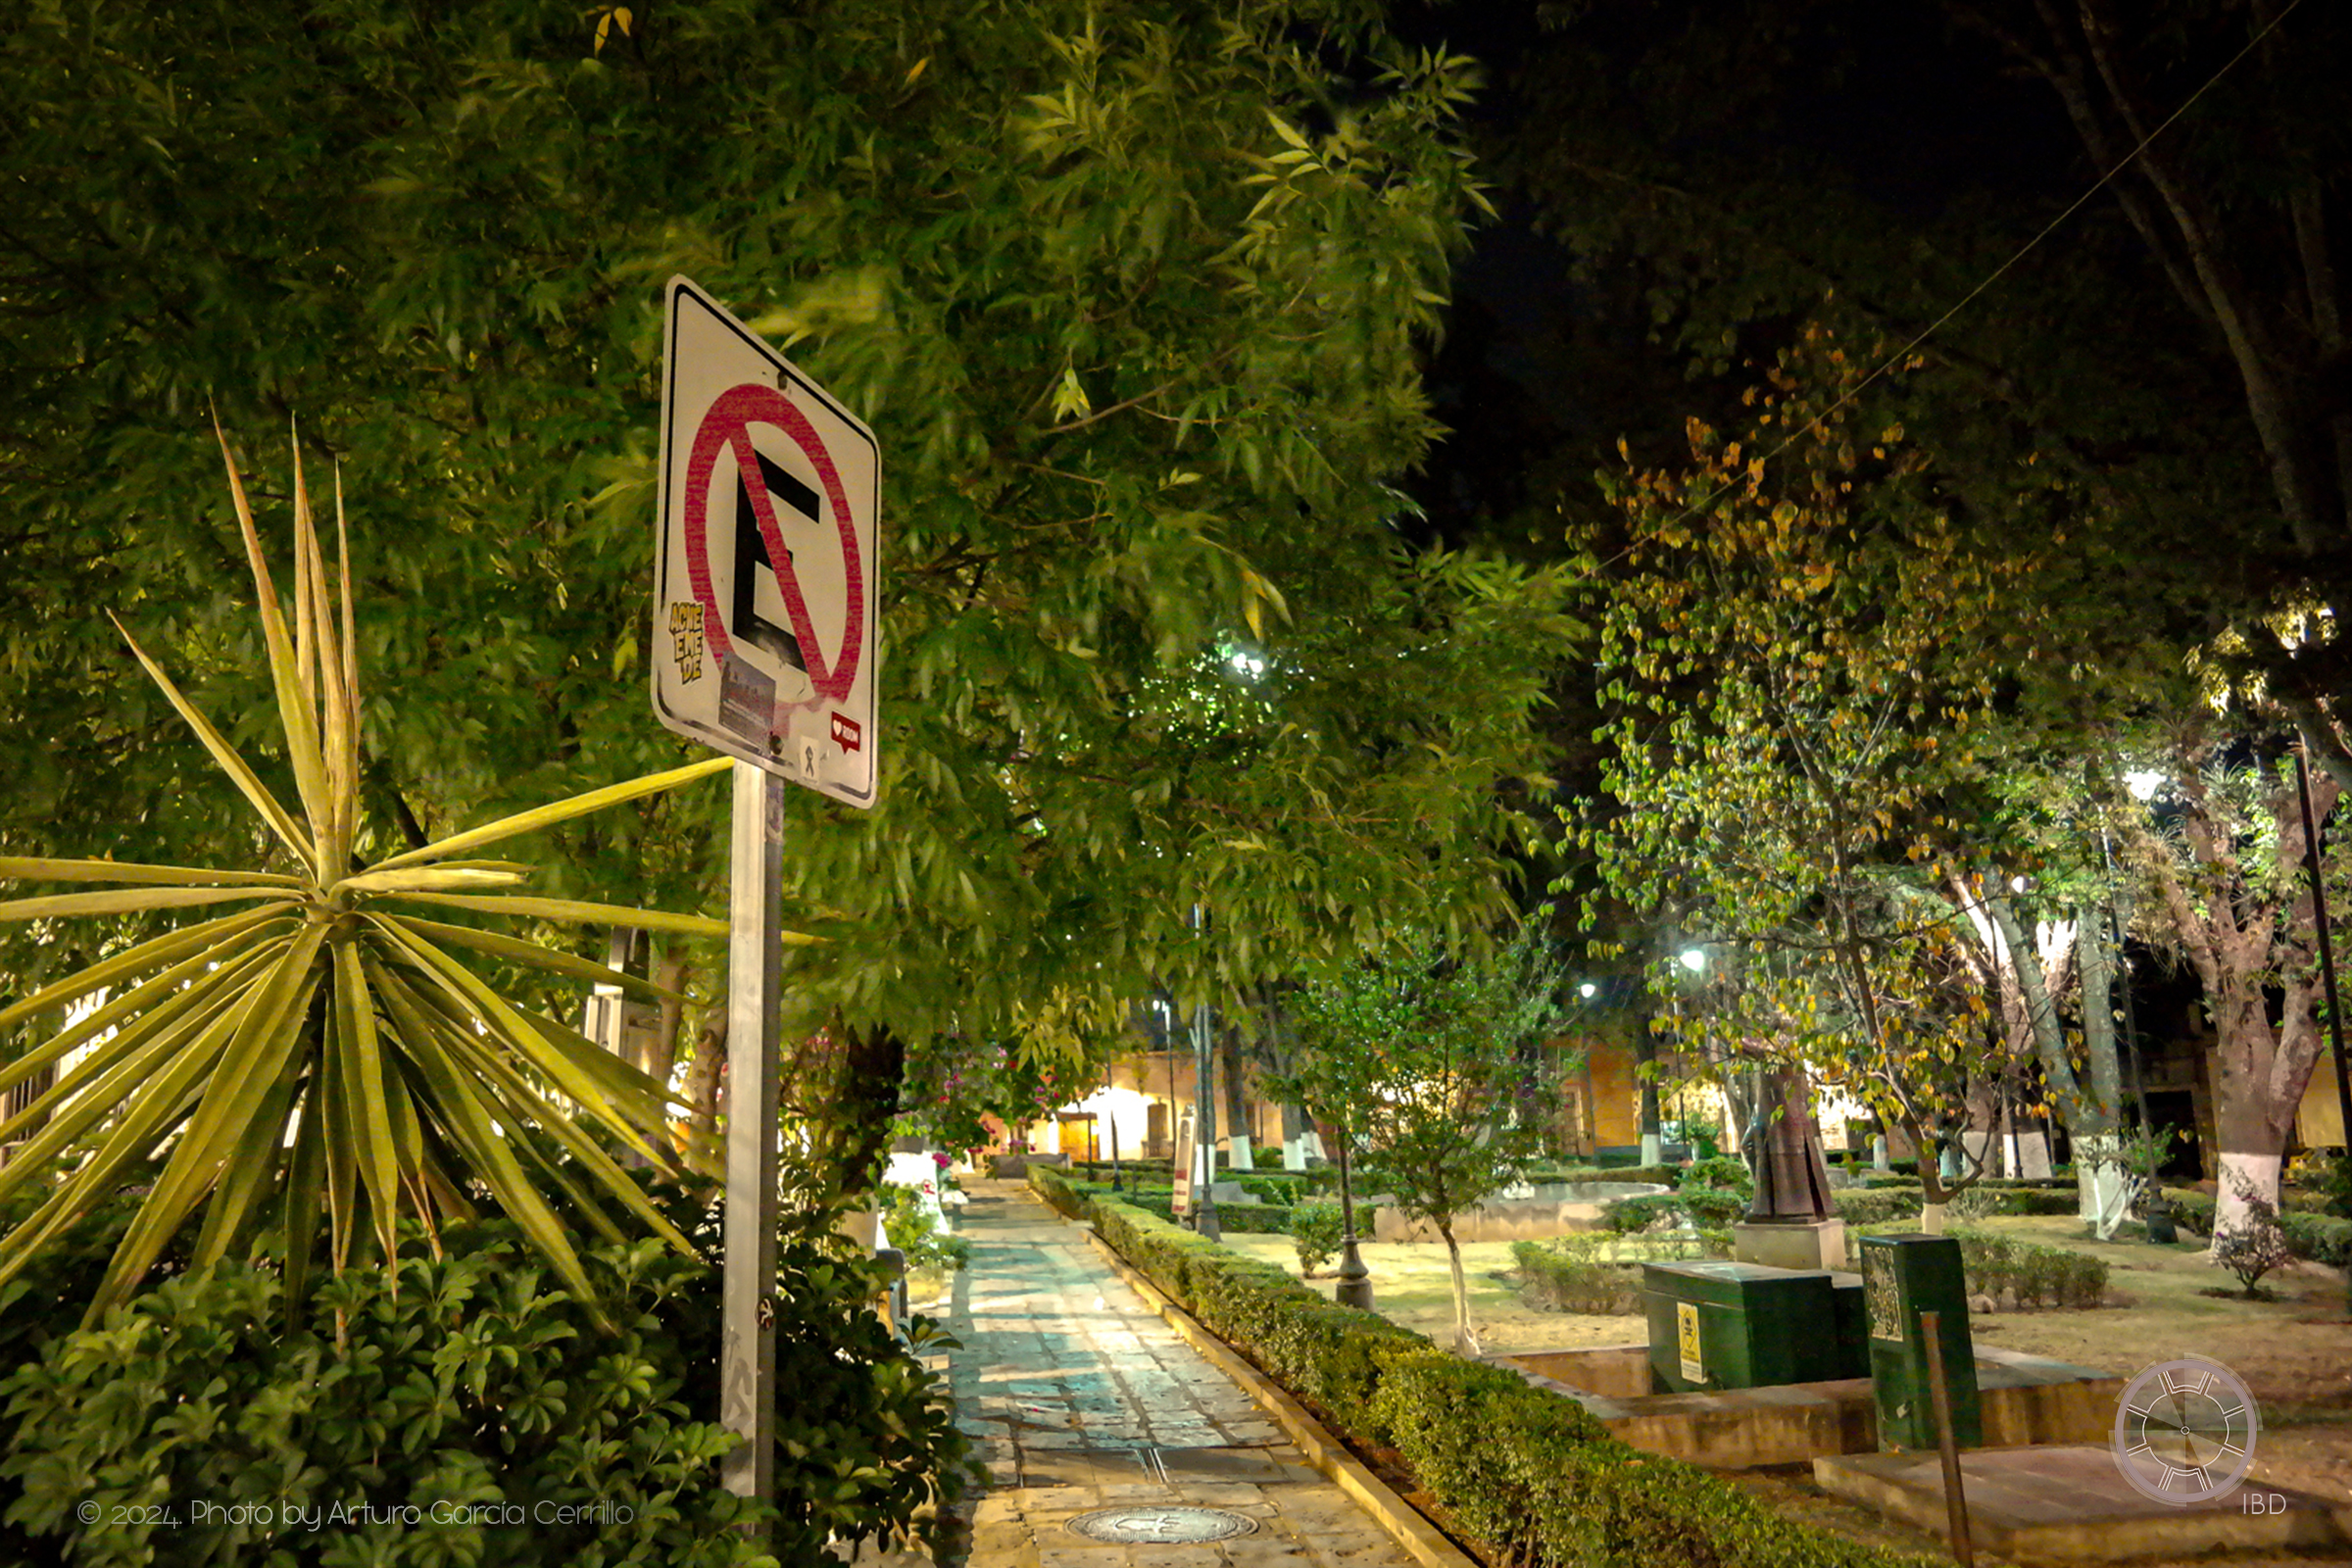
(1113, 1120)
(1955, 1501)
(747, 1390)
(1356, 1279)
(1204, 1123)
(1204, 1114)
(1173, 1139)
(2123, 968)
(2318, 909)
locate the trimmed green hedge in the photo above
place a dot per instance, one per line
(1667, 1176)
(2038, 1274)
(1523, 1469)
(1877, 1204)
(1701, 1205)
(2320, 1237)
(1241, 1219)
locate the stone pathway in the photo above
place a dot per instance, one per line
(1083, 1400)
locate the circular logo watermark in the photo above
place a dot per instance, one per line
(2184, 1431)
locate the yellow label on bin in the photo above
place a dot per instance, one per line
(1686, 1324)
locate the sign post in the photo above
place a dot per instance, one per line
(747, 1403)
(765, 641)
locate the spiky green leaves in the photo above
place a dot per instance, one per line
(320, 1056)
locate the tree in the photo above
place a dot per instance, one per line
(2229, 877)
(1802, 656)
(1132, 294)
(1422, 1060)
(2174, 348)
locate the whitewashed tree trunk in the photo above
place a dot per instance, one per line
(1465, 1340)
(1931, 1219)
(2245, 1174)
(2101, 1184)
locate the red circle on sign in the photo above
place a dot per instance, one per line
(727, 425)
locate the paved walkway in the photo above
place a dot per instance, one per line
(1083, 1400)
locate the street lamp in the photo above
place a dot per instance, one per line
(1354, 1288)
(1204, 1114)
(1588, 991)
(1692, 959)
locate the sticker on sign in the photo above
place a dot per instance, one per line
(765, 593)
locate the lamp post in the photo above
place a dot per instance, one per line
(1204, 1117)
(1112, 1118)
(1356, 1279)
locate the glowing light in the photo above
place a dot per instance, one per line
(1692, 959)
(1588, 991)
(2143, 783)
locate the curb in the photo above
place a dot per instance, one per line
(1420, 1539)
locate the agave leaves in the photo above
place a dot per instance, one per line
(314, 1051)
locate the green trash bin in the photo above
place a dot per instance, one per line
(1742, 1326)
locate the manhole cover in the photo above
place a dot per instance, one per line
(1133, 1526)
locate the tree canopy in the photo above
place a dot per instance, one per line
(1131, 293)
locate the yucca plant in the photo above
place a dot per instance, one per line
(323, 1054)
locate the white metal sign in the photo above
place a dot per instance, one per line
(765, 620)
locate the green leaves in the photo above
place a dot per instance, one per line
(317, 1041)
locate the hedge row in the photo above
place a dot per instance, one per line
(1243, 1219)
(2037, 1274)
(1525, 1470)
(2320, 1237)
(1877, 1206)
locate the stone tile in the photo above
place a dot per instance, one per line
(1071, 1383)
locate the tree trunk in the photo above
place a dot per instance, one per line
(1294, 1124)
(701, 1074)
(2259, 1075)
(1237, 1108)
(2239, 934)
(672, 972)
(1465, 1340)
(2100, 1181)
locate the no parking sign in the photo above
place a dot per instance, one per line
(764, 602)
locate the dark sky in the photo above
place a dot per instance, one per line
(1910, 112)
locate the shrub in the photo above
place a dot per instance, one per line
(1529, 1471)
(1536, 1478)
(2017, 1197)
(1629, 1217)
(1567, 1275)
(2253, 1249)
(480, 1381)
(1315, 1231)
(1713, 1206)
(1877, 1206)
(1730, 1175)
(2320, 1237)
(915, 1230)
(2034, 1273)
(1654, 1175)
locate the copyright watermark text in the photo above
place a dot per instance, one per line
(349, 1515)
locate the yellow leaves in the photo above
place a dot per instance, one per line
(915, 73)
(1288, 133)
(1070, 400)
(620, 17)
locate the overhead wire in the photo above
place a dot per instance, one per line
(1965, 300)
